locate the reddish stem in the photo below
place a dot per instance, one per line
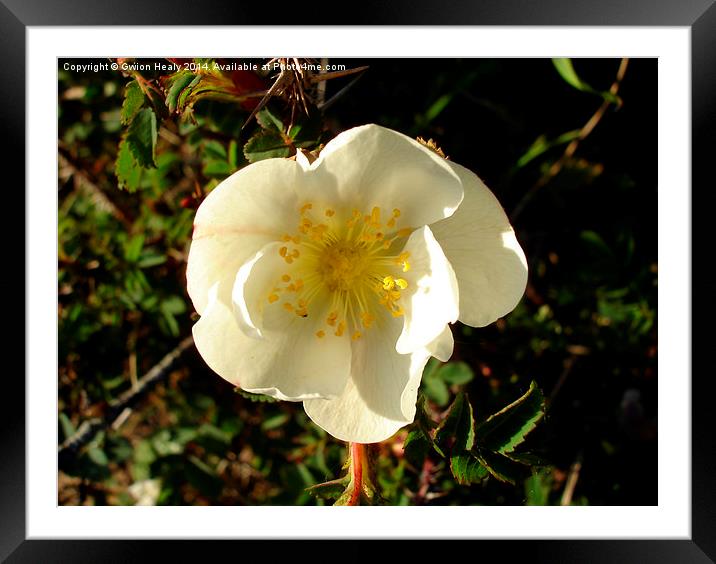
(357, 461)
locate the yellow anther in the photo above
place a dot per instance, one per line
(288, 307)
(396, 212)
(288, 260)
(375, 215)
(273, 298)
(283, 251)
(295, 253)
(299, 284)
(306, 207)
(330, 212)
(391, 222)
(291, 287)
(286, 238)
(397, 312)
(320, 334)
(340, 329)
(286, 277)
(302, 303)
(318, 232)
(331, 319)
(356, 335)
(401, 283)
(388, 283)
(402, 260)
(302, 312)
(367, 319)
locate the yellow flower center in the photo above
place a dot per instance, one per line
(348, 260)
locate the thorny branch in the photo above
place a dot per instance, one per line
(116, 411)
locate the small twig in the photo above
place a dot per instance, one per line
(89, 428)
(587, 128)
(425, 480)
(338, 95)
(321, 88)
(571, 482)
(567, 369)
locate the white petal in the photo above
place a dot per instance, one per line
(261, 277)
(380, 395)
(247, 210)
(481, 246)
(248, 319)
(290, 365)
(431, 299)
(374, 166)
(442, 347)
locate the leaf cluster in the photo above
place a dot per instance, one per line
(477, 450)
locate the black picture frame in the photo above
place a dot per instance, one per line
(698, 15)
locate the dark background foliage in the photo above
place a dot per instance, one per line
(585, 330)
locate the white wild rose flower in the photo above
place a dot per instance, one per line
(333, 282)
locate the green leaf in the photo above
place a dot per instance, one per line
(182, 80)
(133, 248)
(255, 397)
(594, 240)
(128, 172)
(330, 490)
(306, 134)
(538, 487)
(416, 447)
(203, 477)
(219, 169)
(436, 390)
(456, 373)
(437, 107)
(68, 429)
(467, 469)
(526, 458)
(269, 121)
(215, 150)
(500, 466)
(456, 433)
(504, 430)
(233, 155)
(542, 145)
(133, 101)
(174, 305)
(266, 144)
(422, 415)
(98, 456)
(213, 439)
(566, 71)
(182, 100)
(275, 421)
(149, 260)
(142, 138)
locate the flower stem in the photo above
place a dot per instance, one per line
(358, 462)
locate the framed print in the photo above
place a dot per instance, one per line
(444, 271)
